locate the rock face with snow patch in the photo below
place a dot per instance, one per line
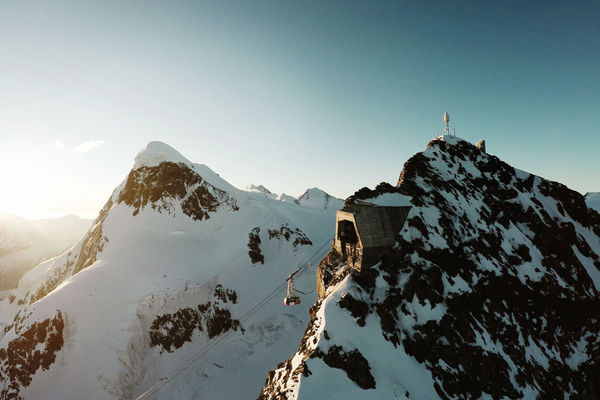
(34, 348)
(492, 291)
(159, 186)
(171, 331)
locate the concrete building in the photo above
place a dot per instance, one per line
(364, 232)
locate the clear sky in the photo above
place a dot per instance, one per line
(288, 94)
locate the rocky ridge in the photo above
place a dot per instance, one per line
(492, 291)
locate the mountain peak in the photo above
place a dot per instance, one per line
(318, 198)
(258, 188)
(157, 152)
(491, 262)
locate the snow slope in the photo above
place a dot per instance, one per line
(175, 291)
(491, 292)
(593, 201)
(25, 243)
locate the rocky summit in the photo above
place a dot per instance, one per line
(490, 291)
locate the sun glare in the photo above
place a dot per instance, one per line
(19, 196)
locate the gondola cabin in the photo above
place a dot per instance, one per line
(291, 297)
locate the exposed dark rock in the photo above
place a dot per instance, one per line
(358, 308)
(254, 246)
(353, 363)
(218, 320)
(171, 331)
(34, 348)
(299, 238)
(499, 304)
(365, 193)
(225, 295)
(169, 183)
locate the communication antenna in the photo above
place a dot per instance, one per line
(447, 121)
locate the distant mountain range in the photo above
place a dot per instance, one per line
(26, 243)
(313, 197)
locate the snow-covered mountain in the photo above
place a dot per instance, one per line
(317, 198)
(25, 243)
(261, 190)
(490, 292)
(593, 200)
(174, 292)
(313, 197)
(286, 198)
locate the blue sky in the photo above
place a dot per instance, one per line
(288, 94)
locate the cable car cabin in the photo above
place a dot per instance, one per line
(292, 301)
(365, 232)
(291, 297)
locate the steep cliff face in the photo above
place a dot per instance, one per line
(492, 291)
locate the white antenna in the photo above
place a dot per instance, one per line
(447, 121)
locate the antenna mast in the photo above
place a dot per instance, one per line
(447, 121)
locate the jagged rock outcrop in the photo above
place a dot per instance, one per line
(254, 242)
(288, 233)
(492, 291)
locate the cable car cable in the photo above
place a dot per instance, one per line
(159, 385)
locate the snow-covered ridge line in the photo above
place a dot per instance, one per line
(313, 197)
(156, 153)
(494, 270)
